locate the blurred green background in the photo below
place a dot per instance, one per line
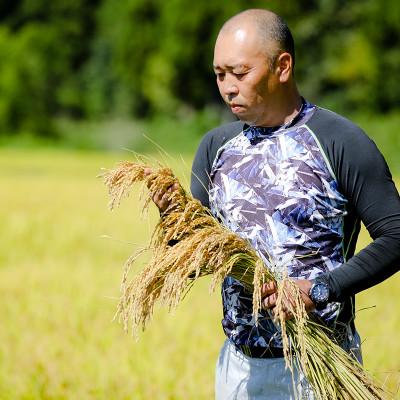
(84, 83)
(98, 74)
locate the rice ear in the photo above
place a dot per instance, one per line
(258, 282)
(188, 243)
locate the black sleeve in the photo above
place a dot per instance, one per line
(205, 156)
(365, 180)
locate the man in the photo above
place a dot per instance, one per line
(295, 180)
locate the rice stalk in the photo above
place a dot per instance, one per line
(188, 243)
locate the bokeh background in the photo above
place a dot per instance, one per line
(85, 83)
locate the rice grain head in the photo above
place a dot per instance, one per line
(188, 243)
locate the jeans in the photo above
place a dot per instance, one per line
(239, 377)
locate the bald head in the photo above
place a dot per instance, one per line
(272, 31)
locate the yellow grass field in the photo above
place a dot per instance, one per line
(61, 259)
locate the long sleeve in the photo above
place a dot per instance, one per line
(365, 180)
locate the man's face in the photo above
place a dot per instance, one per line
(245, 80)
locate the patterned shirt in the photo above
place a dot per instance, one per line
(294, 194)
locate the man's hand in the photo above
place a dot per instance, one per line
(269, 297)
(162, 199)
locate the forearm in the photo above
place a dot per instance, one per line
(372, 265)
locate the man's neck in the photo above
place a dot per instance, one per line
(286, 108)
(293, 109)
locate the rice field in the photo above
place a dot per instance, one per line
(61, 258)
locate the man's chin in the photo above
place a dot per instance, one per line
(248, 120)
(244, 118)
(242, 115)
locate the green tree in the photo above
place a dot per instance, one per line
(140, 58)
(43, 46)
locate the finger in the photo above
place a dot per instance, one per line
(284, 312)
(288, 301)
(160, 200)
(157, 198)
(269, 301)
(268, 288)
(173, 187)
(286, 315)
(165, 200)
(167, 196)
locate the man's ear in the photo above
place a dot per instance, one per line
(284, 67)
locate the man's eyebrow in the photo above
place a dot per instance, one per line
(230, 67)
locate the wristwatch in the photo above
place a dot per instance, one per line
(319, 294)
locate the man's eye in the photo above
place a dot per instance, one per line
(239, 75)
(220, 76)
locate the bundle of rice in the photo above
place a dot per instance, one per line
(188, 243)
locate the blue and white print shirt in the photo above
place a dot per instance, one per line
(277, 190)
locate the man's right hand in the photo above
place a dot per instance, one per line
(162, 198)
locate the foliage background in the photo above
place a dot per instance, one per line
(136, 60)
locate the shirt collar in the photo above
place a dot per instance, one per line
(256, 134)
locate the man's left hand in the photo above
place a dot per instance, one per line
(269, 297)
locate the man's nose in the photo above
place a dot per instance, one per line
(230, 87)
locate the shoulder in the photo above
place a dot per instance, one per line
(340, 137)
(353, 156)
(332, 125)
(218, 136)
(214, 139)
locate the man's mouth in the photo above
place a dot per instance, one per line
(235, 107)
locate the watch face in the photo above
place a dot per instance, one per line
(319, 294)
